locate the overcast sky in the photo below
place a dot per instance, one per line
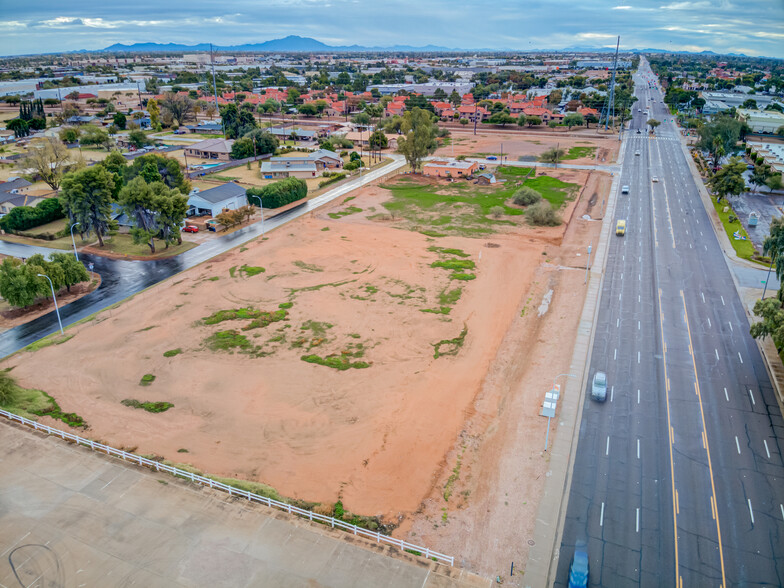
(725, 26)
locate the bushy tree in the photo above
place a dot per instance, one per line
(69, 134)
(553, 155)
(138, 139)
(419, 137)
(169, 169)
(574, 119)
(92, 135)
(20, 127)
(87, 197)
(501, 118)
(265, 141)
(176, 108)
(237, 122)
(242, 148)
(542, 214)
(378, 140)
(772, 321)
(22, 218)
(729, 180)
(74, 271)
(119, 120)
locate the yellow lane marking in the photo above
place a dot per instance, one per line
(677, 503)
(707, 446)
(678, 579)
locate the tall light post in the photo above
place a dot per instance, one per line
(767, 278)
(57, 310)
(76, 253)
(588, 265)
(547, 435)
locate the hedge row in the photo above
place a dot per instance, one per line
(26, 217)
(278, 194)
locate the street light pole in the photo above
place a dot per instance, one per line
(57, 310)
(76, 253)
(767, 279)
(588, 265)
(547, 435)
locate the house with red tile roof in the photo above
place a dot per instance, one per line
(394, 108)
(441, 106)
(585, 111)
(473, 112)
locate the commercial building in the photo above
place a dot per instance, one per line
(762, 121)
(426, 89)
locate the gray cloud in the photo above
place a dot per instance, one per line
(722, 26)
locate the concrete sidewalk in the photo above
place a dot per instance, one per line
(71, 517)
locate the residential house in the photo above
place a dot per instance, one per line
(473, 112)
(394, 109)
(13, 193)
(228, 196)
(301, 166)
(445, 168)
(82, 120)
(205, 128)
(219, 149)
(283, 134)
(486, 179)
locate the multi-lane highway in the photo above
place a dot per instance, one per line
(678, 477)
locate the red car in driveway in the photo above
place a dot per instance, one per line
(190, 229)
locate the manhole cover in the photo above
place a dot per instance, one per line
(531, 542)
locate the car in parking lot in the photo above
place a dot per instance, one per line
(620, 228)
(190, 229)
(599, 387)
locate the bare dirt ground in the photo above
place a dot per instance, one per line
(528, 147)
(391, 439)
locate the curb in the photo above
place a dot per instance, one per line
(551, 516)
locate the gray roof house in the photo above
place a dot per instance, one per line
(228, 196)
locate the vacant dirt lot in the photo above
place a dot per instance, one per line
(517, 146)
(433, 422)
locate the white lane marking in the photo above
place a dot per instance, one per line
(730, 324)
(638, 449)
(700, 231)
(619, 296)
(739, 357)
(638, 397)
(638, 325)
(705, 247)
(639, 277)
(639, 259)
(690, 247)
(638, 297)
(607, 448)
(722, 301)
(615, 354)
(638, 521)
(601, 516)
(727, 396)
(622, 276)
(703, 297)
(781, 506)
(737, 444)
(752, 397)
(612, 390)
(766, 448)
(751, 512)
(617, 322)
(638, 357)
(709, 323)
(717, 353)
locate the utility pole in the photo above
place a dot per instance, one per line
(215, 92)
(609, 105)
(139, 94)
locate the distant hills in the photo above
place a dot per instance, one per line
(290, 44)
(296, 44)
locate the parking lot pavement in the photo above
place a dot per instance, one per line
(71, 517)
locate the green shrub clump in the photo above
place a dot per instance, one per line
(148, 406)
(278, 194)
(543, 215)
(526, 196)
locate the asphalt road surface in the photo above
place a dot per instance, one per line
(678, 475)
(121, 278)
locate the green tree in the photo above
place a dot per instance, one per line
(177, 108)
(92, 135)
(20, 127)
(378, 140)
(86, 196)
(532, 121)
(307, 109)
(526, 196)
(773, 245)
(169, 168)
(242, 148)
(555, 97)
(19, 284)
(722, 131)
(138, 139)
(51, 160)
(772, 323)
(455, 99)
(170, 208)
(69, 134)
(265, 141)
(750, 104)
(137, 201)
(553, 155)
(418, 140)
(74, 271)
(729, 181)
(119, 120)
(653, 123)
(501, 118)
(237, 122)
(759, 176)
(573, 119)
(155, 113)
(293, 95)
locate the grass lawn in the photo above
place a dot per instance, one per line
(52, 227)
(62, 243)
(578, 152)
(463, 208)
(744, 248)
(123, 244)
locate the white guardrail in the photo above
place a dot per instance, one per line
(312, 516)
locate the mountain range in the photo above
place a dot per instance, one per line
(296, 44)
